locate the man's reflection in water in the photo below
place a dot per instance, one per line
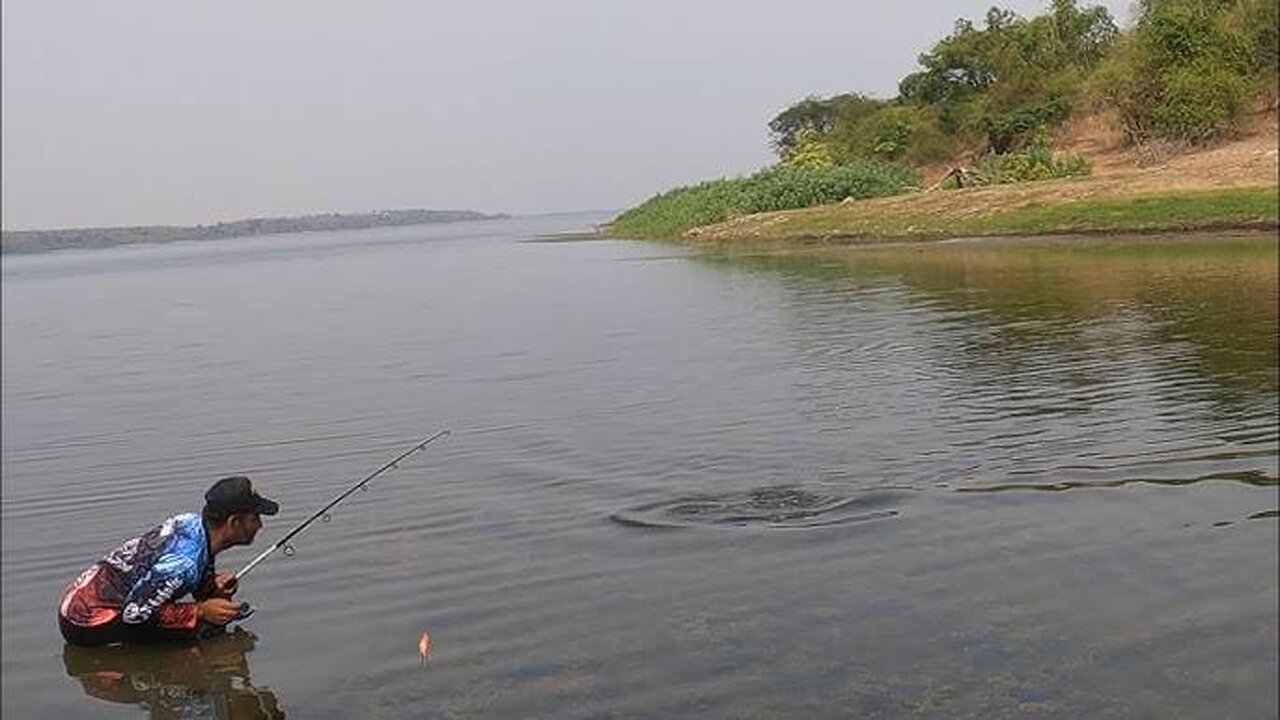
(206, 680)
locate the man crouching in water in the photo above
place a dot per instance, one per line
(131, 595)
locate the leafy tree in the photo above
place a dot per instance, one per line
(817, 115)
(896, 132)
(1082, 36)
(957, 67)
(1185, 71)
(809, 151)
(1002, 81)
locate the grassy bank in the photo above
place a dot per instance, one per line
(1033, 209)
(670, 214)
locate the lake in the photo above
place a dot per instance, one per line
(958, 480)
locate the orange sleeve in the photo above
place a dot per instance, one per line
(177, 616)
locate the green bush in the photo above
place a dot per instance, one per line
(1181, 33)
(1036, 162)
(1200, 101)
(1011, 130)
(777, 188)
(1124, 82)
(809, 150)
(1258, 22)
(1189, 67)
(896, 133)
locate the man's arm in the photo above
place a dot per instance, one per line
(151, 602)
(221, 584)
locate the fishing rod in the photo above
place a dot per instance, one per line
(323, 512)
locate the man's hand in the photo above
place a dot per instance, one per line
(217, 610)
(225, 584)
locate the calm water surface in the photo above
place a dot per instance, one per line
(964, 480)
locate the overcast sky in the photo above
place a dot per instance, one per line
(149, 112)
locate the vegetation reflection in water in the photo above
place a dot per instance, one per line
(1203, 307)
(1216, 293)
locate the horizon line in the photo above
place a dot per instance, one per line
(489, 215)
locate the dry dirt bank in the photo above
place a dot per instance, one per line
(1252, 161)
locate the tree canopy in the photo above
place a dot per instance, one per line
(1185, 71)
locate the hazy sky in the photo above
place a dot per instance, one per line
(142, 112)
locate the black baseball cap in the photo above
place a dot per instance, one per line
(236, 494)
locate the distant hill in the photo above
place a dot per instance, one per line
(33, 241)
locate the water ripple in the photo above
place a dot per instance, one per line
(1246, 477)
(770, 507)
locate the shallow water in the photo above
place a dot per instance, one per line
(959, 480)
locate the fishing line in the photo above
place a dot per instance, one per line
(324, 511)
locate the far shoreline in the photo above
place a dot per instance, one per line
(22, 242)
